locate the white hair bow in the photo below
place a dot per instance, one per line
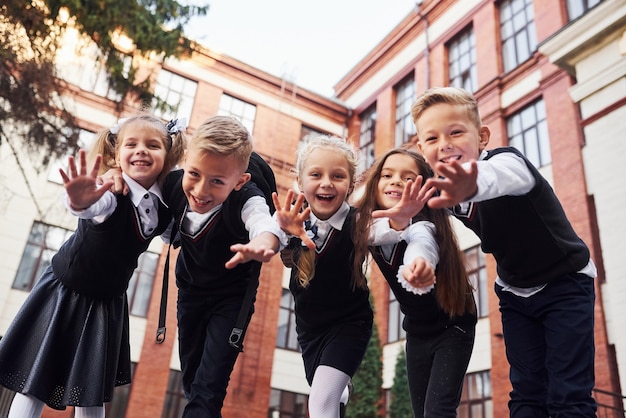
(176, 125)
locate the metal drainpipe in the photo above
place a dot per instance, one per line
(427, 50)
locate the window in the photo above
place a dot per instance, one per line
(577, 8)
(367, 139)
(85, 140)
(462, 61)
(307, 130)
(287, 337)
(85, 67)
(476, 399)
(517, 29)
(477, 272)
(527, 130)
(243, 111)
(141, 283)
(405, 95)
(178, 94)
(175, 400)
(43, 242)
(396, 332)
(288, 405)
(119, 403)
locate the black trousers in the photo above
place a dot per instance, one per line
(206, 357)
(550, 347)
(436, 367)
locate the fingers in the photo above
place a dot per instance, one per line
(308, 242)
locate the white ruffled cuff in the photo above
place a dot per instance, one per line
(409, 287)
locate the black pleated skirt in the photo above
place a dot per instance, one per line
(342, 347)
(65, 348)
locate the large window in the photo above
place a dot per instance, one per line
(396, 332)
(476, 399)
(288, 405)
(141, 283)
(245, 112)
(43, 242)
(477, 272)
(175, 400)
(517, 30)
(462, 61)
(178, 94)
(85, 141)
(287, 337)
(81, 63)
(527, 130)
(367, 138)
(577, 8)
(405, 95)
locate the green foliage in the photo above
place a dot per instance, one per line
(30, 35)
(367, 382)
(400, 400)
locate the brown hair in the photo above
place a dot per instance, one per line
(454, 290)
(107, 143)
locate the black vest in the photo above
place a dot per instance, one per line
(200, 263)
(330, 298)
(422, 314)
(98, 260)
(530, 236)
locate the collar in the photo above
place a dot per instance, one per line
(137, 191)
(337, 220)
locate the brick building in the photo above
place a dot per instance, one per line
(550, 78)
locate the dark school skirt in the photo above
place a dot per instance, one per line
(342, 347)
(66, 349)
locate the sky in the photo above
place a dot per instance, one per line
(311, 43)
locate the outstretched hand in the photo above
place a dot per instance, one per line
(414, 198)
(261, 248)
(457, 185)
(82, 187)
(291, 218)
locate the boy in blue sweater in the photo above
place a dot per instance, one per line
(545, 280)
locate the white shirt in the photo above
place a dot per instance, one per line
(255, 215)
(507, 174)
(147, 207)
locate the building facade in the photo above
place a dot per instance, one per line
(550, 78)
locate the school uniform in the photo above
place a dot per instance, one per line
(334, 318)
(545, 285)
(209, 295)
(438, 347)
(69, 343)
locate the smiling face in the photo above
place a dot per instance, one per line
(325, 181)
(141, 153)
(396, 171)
(210, 178)
(446, 133)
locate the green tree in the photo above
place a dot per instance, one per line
(31, 32)
(367, 382)
(400, 400)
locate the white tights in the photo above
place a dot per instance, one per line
(328, 390)
(26, 406)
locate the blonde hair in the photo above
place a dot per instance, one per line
(107, 143)
(454, 289)
(223, 135)
(307, 259)
(447, 95)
